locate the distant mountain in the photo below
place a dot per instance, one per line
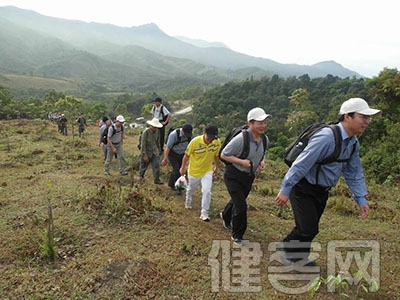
(201, 43)
(136, 57)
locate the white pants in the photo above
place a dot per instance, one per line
(206, 182)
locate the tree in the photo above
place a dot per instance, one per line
(385, 89)
(300, 117)
(69, 105)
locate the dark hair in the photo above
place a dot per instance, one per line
(341, 117)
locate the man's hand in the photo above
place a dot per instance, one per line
(182, 170)
(364, 211)
(261, 166)
(281, 199)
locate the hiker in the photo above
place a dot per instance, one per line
(63, 124)
(240, 172)
(161, 113)
(81, 125)
(115, 142)
(201, 152)
(308, 199)
(103, 135)
(177, 142)
(150, 150)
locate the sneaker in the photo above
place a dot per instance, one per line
(158, 182)
(107, 173)
(237, 241)
(205, 218)
(123, 173)
(224, 224)
(188, 206)
(178, 192)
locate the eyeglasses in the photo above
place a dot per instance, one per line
(364, 117)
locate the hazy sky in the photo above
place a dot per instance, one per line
(361, 35)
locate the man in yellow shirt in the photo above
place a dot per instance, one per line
(201, 152)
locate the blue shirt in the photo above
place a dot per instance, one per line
(321, 145)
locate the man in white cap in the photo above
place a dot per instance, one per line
(240, 172)
(308, 199)
(115, 142)
(150, 150)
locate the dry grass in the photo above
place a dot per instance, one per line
(118, 238)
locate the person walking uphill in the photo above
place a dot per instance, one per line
(115, 141)
(103, 135)
(161, 113)
(309, 194)
(150, 150)
(177, 143)
(201, 152)
(81, 125)
(240, 172)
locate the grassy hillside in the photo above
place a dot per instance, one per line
(119, 238)
(36, 82)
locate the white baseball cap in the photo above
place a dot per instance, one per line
(120, 118)
(357, 105)
(257, 114)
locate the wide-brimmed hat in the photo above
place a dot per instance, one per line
(357, 105)
(155, 123)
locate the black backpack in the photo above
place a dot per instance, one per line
(246, 141)
(179, 139)
(296, 147)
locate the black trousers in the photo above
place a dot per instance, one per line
(239, 185)
(175, 160)
(162, 137)
(308, 203)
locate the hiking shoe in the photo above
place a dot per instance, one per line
(178, 192)
(205, 218)
(224, 224)
(158, 182)
(107, 173)
(288, 261)
(237, 241)
(123, 173)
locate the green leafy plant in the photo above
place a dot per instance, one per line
(341, 284)
(48, 247)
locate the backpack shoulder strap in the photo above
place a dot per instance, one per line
(246, 144)
(338, 146)
(265, 142)
(178, 138)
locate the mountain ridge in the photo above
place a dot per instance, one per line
(38, 44)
